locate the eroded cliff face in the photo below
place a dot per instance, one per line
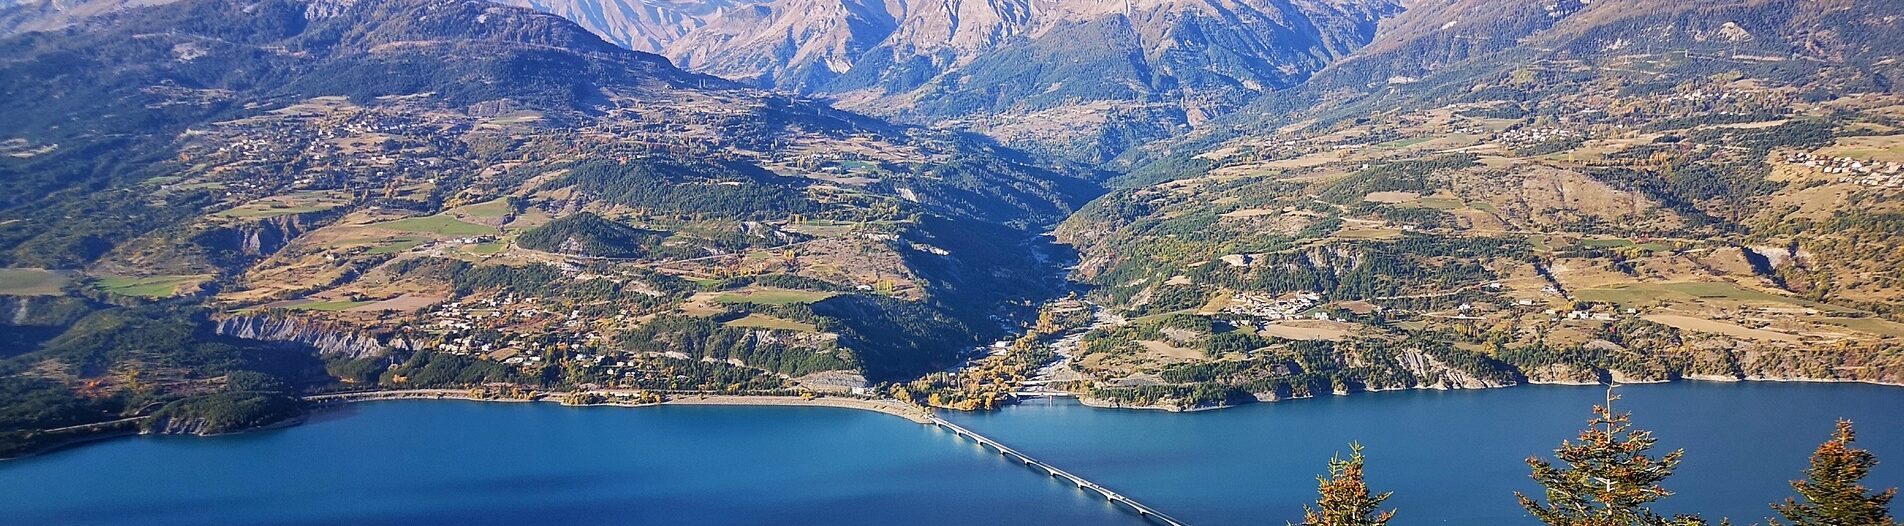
(1720, 359)
(42, 311)
(1429, 372)
(266, 236)
(328, 339)
(183, 426)
(215, 245)
(1822, 364)
(28, 321)
(227, 412)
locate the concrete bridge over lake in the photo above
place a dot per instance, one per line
(1142, 509)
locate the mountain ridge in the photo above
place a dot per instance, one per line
(1038, 74)
(357, 175)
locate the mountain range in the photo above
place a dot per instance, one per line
(1082, 78)
(1262, 199)
(232, 177)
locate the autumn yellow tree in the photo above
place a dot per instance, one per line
(1833, 489)
(1607, 478)
(1345, 499)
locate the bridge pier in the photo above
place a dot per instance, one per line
(1141, 510)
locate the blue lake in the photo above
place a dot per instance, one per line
(1451, 458)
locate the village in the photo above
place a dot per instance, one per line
(336, 145)
(1866, 172)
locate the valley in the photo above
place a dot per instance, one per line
(624, 225)
(215, 213)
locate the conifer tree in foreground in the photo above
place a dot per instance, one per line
(1606, 478)
(1833, 495)
(1345, 499)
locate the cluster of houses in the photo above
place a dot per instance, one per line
(1263, 306)
(1528, 136)
(464, 325)
(518, 331)
(1851, 170)
(338, 151)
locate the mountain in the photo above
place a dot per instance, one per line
(1449, 50)
(1494, 192)
(639, 25)
(1434, 36)
(1082, 78)
(797, 45)
(407, 193)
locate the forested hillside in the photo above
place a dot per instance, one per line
(448, 193)
(316, 196)
(1631, 191)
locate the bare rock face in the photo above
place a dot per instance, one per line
(1087, 78)
(1432, 373)
(798, 45)
(1563, 374)
(645, 25)
(329, 341)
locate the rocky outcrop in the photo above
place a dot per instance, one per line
(1087, 78)
(266, 236)
(42, 311)
(641, 25)
(327, 339)
(844, 381)
(221, 413)
(1171, 405)
(1432, 373)
(1876, 365)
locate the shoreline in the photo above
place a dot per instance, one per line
(1097, 403)
(889, 407)
(915, 414)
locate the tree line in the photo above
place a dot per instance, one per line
(1609, 477)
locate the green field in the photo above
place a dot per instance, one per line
(489, 209)
(273, 210)
(1877, 326)
(200, 186)
(145, 287)
(1642, 293)
(1367, 233)
(1606, 243)
(329, 306)
(1626, 243)
(520, 117)
(772, 296)
(437, 224)
(396, 245)
(762, 321)
(300, 203)
(824, 228)
(488, 249)
(1437, 203)
(31, 282)
(1404, 143)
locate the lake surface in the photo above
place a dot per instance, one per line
(447, 462)
(1451, 458)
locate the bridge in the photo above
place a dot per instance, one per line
(1142, 509)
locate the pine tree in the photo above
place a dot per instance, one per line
(1345, 499)
(1833, 495)
(1608, 478)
